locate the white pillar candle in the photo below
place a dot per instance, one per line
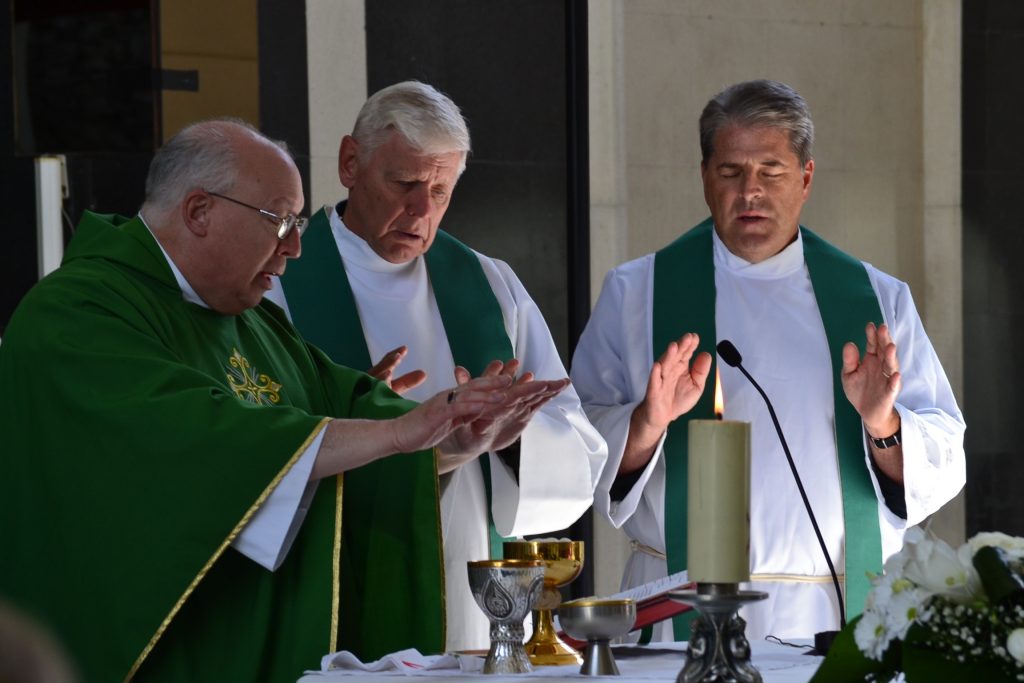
(718, 514)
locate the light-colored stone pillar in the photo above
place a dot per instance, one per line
(608, 219)
(941, 160)
(336, 63)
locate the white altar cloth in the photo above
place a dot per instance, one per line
(662, 661)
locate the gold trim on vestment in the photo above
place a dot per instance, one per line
(336, 564)
(223, 546)
(795, 578)
(440, 546)
(638, 547)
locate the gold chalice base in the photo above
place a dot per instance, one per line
(563, 562)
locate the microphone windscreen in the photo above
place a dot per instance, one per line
(729, 353)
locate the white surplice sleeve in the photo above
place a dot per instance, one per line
(268, 536)
(561, 454)
(610, 370)
(932, 426)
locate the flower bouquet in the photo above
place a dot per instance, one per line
(938, 614)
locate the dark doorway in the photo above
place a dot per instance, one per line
(993, 243)
(518, 71)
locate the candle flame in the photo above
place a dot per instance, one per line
(719, 401)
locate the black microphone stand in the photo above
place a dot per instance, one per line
(729, 353)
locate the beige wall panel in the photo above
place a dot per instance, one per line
(226, 28)
(337, 87)
(654, 132)
(662, 203)
(905, 13)
(227, 87)
(220, 41)
(796, 11)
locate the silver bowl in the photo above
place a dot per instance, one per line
(597, 622)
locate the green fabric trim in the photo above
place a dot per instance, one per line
(390, 516)
(318, 284)
(684, 275)
(474, 325)
(684, 301)
(841, 283)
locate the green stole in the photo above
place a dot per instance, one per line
(324, 310)
(684, 276)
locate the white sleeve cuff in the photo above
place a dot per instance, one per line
(268, 536)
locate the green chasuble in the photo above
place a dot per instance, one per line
(684, 280)
(138, 434)
(323, 308)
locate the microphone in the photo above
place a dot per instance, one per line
(729, 353)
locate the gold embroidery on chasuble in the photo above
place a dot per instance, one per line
(249, 384)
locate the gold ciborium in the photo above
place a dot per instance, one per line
(563, 561)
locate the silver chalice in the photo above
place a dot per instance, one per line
(505, 590)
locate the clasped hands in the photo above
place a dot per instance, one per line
(480, 414)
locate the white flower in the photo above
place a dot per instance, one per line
(1015, 644)
(871, 635)
(934, 566)
(904, 608)
(880, 594)
(1013, 545)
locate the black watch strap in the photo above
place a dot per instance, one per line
(887, 442)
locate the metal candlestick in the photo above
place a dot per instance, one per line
(718, 649)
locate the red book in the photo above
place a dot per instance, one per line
(652, 603)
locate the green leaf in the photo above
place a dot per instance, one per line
(998, 575)
(845, 663)
(922, 665)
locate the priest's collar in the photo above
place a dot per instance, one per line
(356, 250)
(786, 262)
(190, 295)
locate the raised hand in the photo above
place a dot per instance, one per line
(871, 383)
(384, 371)
(673, 388)
(350, 443)
(434, 421)
(500, 424)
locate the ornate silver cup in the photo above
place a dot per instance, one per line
(597, 622)
(505, 590)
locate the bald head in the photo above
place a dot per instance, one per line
(203, 155)
(212, 195)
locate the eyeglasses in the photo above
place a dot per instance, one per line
(285, 224)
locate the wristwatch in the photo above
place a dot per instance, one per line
(887, 442)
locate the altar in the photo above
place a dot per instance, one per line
(657, 662)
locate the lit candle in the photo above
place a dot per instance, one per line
(718, 514)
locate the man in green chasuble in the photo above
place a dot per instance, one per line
(836, 344)
(159, 419)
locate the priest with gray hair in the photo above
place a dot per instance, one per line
(172, 450)
(380, 284)
(838, 345)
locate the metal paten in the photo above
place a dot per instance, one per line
(718, 649)
(597, 622)
(505, 590)
(564, 561)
